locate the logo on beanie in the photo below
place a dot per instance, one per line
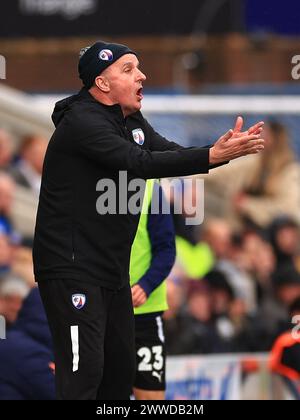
(138, 136)
(106, 55)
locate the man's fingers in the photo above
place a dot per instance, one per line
(256, 127)
(256, 146)
(238, 124)
(257, 131)
(234, 144)
(251, 138)
(254, 151)
(227, 135)
(251, 144)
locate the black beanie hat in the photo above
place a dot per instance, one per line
(96, 58)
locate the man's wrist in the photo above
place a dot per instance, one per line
(213, 159)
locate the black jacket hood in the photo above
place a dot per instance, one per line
(61, 107)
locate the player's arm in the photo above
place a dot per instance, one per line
(162, 236)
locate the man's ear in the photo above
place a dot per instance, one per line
(102, 83)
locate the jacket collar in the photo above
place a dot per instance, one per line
(114, 110)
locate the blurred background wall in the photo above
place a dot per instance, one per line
(183, 46)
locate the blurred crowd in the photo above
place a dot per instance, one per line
(26, 357)
(20, 178)
(236, 276)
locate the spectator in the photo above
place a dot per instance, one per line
(6, 254)
(219, 236)
(196, 332)
(5, 149)
(172, 316)
(222, 294)
(18, 201)
(175, 294)
(7, 189)
(21, 263)
(26, 358)
(222, 298)
(287, 285)
(193, 255)
(13, 290)
(217, 233)
(28, 169)
(257, 256)
(285, 238)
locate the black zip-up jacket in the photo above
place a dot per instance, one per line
(93, 141)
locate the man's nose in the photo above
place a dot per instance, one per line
(141, 76)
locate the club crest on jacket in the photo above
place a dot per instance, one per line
(138, 136)
(78, 300)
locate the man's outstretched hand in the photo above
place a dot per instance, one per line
(236, 143)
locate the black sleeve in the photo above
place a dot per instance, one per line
(100, 142)
(160, 143)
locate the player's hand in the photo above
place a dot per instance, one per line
(236, 143)
(138, 295)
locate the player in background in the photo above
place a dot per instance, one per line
(152, 257)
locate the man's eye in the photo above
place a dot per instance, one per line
(127, 70)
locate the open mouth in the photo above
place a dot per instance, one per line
(139, 93)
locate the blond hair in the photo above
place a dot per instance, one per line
(271, 162)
